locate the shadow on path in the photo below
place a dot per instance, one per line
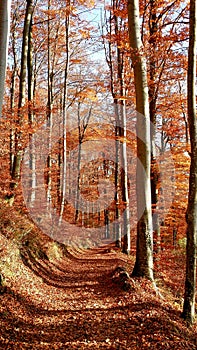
(96, 314)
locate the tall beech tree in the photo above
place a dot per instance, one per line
(144, 252)
(4, 31)
(65, 107)
(190, 281)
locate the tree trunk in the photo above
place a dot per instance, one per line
(116, 66)
(5, 6)
(152, 108)
(4, 30)
(82, 127)
(22, 90)
(32, 155)
(190, 282)
(50, 78)
(12, 89)
(117, 176)
(144, 251)
(125, 191)
(65, 97)
(78, 178)
(123, 153)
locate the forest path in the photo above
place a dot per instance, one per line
(74, 304)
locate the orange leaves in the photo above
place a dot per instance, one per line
(88, 3)
(84, 33)
(88, 94)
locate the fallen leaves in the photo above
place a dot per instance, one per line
(78, 303)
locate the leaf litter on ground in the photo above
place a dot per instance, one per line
(75, 303)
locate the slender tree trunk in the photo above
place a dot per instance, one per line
(152, 109)
(144, 251)
(115, 75)
(117, 177)
(123, 148)
(124, 178)
(52, 54)
(22, 94)
(4, 32)
(81, 134)
(32, 155)
(80, 139)
(116, 66)
(184, 115)
(65, 97)
(12, 94)
(125, 191)
(78, 181)
(50, 77)
(190, 282)
(13, 87)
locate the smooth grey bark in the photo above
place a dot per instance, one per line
(109, 60)
(50, 79)
(183, 108)
(118, 231)
(144, 250)
(64, 116)
(123, 149)
(126, 247)
(153, 94)
(5, 6)
(190, 281)
(126, 215)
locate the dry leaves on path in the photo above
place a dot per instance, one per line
(74, 303)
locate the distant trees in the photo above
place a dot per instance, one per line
(191, 215)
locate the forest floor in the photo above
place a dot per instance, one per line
(57, 298)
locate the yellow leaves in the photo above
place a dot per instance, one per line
(85, 34)
(89, 3)
(89, 94)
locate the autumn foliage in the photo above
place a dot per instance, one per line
(68, 160)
